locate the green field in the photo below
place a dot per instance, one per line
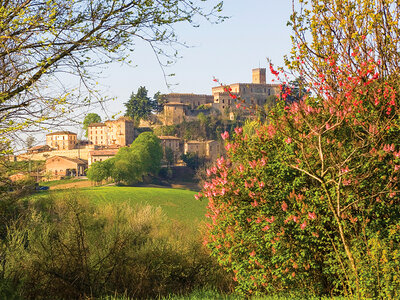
(177, 204)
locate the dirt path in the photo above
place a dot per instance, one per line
(78, 184)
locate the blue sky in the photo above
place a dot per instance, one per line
(256, 30)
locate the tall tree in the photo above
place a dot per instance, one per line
(139, 105)
(89, 119)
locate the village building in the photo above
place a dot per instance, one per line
(101, 155)
(209, 149)
(174, 113)
(61, 166)
(61, 140)
(173, 143)
(253, 94)
(119, 132)
(191, 100)
(39, 149)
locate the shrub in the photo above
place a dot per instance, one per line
(71, 249)
(311, 200)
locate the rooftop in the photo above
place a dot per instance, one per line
(61, 133)
(168, 137)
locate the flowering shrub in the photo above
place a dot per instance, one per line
(311, 199)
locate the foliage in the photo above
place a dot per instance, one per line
(311, 200)
(165, 130)
(130, 164)
(68, 249)
(193, 160)
(140, 106)
(89, 119)
(169, 156)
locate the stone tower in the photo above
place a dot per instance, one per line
(259, 76)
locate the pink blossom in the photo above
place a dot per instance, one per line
(288, 140)
(284, 206)
(312, 215)
(225, 135)
(255, 203)
(253, 164)
(271, 220)
(295, 219)
(261, 184)
(265, 228)
(239, 130)
(303, 225)
(253, 253)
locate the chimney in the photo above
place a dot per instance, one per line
(259, 76)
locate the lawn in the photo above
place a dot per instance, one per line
(177, 204)
(60, 182)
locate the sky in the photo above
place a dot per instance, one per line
(255, 31)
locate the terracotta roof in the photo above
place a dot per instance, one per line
(96, 124)
(61, 133)
(175, 103)
(75, 160)
(123, 118)
(39, 147)
(103, 152)
(188, 94)
(168, 137)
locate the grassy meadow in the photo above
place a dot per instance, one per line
(177, 204)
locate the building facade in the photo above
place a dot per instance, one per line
(209, 149)
(101, 155)
(61, 166)
(61, 140)
(119, 132)
(174, 113)
(173, 143)
(191, 100)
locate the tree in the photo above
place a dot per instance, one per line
(30, 140)
(311, 200)
(132, 163)
(149, 148)
(89, 119)
(44, 42)
(139, 105)
(169, 156)
(193, 160)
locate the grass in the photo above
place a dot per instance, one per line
(214, 295)
(177, 204)
(59, 182)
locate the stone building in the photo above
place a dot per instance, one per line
(191, 100)
(174, 113)
(61, 166)
(209, 149)
(39, 149)
(255, 93)
(61, 140)
(101, 155)
(173, 143)
(119, 132)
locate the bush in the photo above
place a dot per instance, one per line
(71, 249)
(311, 201)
